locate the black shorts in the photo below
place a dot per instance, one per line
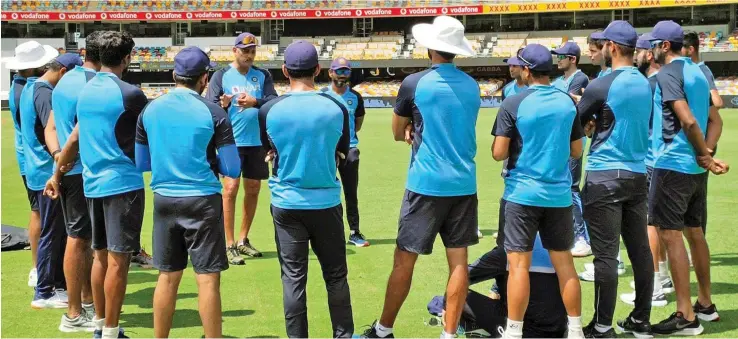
(74, 207)
(677, 199)
(521, 222)
(189, 226)
(649, 174)
(32, 196)
(116, 221)
(252, 162)
(422, 217)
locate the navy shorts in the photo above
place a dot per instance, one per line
(252, 162)
(189, 226)
(32, 195)
(422, 217)
(74, 207)
(116, 221)
(677, 200)
(520, 223)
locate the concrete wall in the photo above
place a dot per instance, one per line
(207, 42)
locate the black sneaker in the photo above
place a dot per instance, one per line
(706, 313)
(591, 332)
(676, 324)
(371, 332)
(639, 330)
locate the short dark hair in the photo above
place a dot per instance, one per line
(625, 50)
(539, 74)
(114, 47)
(302, 73)
(600, 43)
(92, 47)
(54, 66)
(446, 55)
(691, 39)
(675, 47)
(188, 82)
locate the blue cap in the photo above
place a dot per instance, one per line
(599, 35)
(244, 40)
(569, 48)
(536, 57)
(340, 63)
(668, 30)
(69, 60)
(300, 55)
(644, 41)
(514, 61)
(191, 62)
(621, 33)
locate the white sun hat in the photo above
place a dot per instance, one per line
(445, 34)
(31, 54)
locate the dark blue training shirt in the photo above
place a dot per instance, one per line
(621, 104)
(183, 131)
(64, 101)
(107, 112)
(511, 89)
(655, 138)
(541, 123)
(35, 108)
(443, 103)
(575, 84)
(708, 75)
(14, 96)
(257, 83)
(681, 79)
(305, 129)
(355, 104)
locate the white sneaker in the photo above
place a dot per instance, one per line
(581, 249)
(588, 274)
(52, 302)
(621, 268)
(575, 334)
(82, 323)
(32, 277)
(495, 235)
(479, 234)
(658, 299)
(667, 287)
(62, 295)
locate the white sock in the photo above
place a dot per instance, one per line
(514, 329)
(382, 331)
(445, 335)
(602, 328)
(99, 323)
(110, 332)
(663, 270)
(619, 260)
(657, 283)
(575, 323)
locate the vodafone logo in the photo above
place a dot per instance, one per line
(358, 12)
(189, 15)
(148, 15)
(403, 11)
(103, 16)
(273, 14)
(234, 14)
(14, 16)
(62, 16)
(318, 13)
(444, 10)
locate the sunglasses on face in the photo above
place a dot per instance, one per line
(343, 72)
(562, 57)
(656, 43)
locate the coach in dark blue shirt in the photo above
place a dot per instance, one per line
(678, 188)
(177, 138)
(615, 192)
(538, 131)
(306, 195)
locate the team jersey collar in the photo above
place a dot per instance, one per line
(627, 68)
(107, 74)
(45, 82)
(443, 65)
(184, 90)
(87, 69)
(685, 59)
(539, 86)
(568, 80)
(18, 77)
(654, 74)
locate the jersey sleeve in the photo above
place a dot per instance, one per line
(215, 88)
(135, 101)
(671, 81)
(223, 131)
(269, 91)
(593, 99)
(578, 84)
(142, 137)
(710, 77)
(360, 111)
(405, 98)
(577, 131)
(42, 103)
(504, 125)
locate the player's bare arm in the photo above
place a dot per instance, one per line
(500, 148)
(399, 125)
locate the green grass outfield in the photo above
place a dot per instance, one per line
(252, 294)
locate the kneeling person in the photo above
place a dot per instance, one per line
(177, 137)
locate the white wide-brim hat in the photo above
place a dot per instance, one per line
(445, 34)
(31, 54)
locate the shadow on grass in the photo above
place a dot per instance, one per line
(141, 276)
(724, 259)
(145, 298)
(382, 241)
(727, 323)
(184, 318)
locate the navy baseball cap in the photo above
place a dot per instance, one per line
(569, 48)
(619, 32)
(245, 39)
(536, 57)
(300, 55)
(340, 63)
(644, 41)
(514, 61)
(69, 60)
(191, 62)
(667, 30)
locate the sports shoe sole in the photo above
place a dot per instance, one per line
(45, 307)
(708, 317)
(690, 331)
(366, 244)
(635, 334)
(654, 303)
(73, 329)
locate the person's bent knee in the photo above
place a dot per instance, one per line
(253, 187)
(670, 235)
(230, 187)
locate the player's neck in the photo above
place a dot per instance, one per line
(90, 65)
(542, 81)
(302, 85)
(604, 67)
(49, 77)
(695, 58)
(239, 68)
(653, 68)
(621, 62)
(671, 56)
(519, 82)
(569, 72)
(339, 90)
(118, 71)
